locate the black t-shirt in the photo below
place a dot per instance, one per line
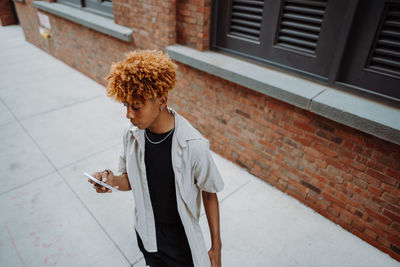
(161, 178)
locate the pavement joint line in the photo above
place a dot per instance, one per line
(65, 181)
(27, 183)
(133, 264)
(234, 191)
(61, 107)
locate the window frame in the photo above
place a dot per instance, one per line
(98, 7)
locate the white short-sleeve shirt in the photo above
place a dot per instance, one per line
(194, 170)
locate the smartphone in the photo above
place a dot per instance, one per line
(100, 182)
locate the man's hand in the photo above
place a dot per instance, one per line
(105, 176)
(215, 257)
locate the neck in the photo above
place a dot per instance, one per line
(164, 122)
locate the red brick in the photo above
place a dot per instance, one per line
(391, 189)
(378, 216)
(391, 215)
(371, 234)
(334, 199)
(382, 177)
(394, 240)
(333, 212)
(374, 190)
(393, 173)
(325, 150)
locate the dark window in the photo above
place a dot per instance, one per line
(100, 7)
(352, 44)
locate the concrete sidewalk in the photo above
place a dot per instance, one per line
(56, 123)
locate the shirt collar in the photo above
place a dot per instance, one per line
(184, 131)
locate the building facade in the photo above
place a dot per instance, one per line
(303, 94)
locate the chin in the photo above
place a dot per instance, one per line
(139, 126)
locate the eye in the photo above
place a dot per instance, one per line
(135, 108)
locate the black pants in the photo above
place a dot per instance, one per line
(172, 247)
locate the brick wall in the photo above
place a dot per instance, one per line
(193, 23)
(153, 21)
(350, 177)
(7, 16)
(91, 52)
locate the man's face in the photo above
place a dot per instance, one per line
(143, 114)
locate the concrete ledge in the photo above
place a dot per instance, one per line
(249, 75)
(354, 111)
(365, 115)
(92, 21)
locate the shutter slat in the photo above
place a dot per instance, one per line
(297, 41)
(245, 30)
(309, 3)
(385, 69)
(304, 50)
(386, 61)
(246, 16)
(390, 33)
(249, 2)
(247, 9)
(389, 43)
(247, 23)
(245, 36)
(305, 10)
(302, 18)
(386, 51)
(300, 24)
(392, 23)
(300, 34)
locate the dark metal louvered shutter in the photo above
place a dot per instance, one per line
(300, 25)
(373, 54)
(239, 26)
(246, 17)
(385, 56)
(299, 35)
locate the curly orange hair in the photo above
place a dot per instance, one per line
(144, 74)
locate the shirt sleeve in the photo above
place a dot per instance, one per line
(206, 174)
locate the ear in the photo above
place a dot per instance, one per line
(163, 102)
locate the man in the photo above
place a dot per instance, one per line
(166, 163)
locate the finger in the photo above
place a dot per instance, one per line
(96, 188)
(104, 176)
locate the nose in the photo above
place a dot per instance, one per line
(129, 113)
